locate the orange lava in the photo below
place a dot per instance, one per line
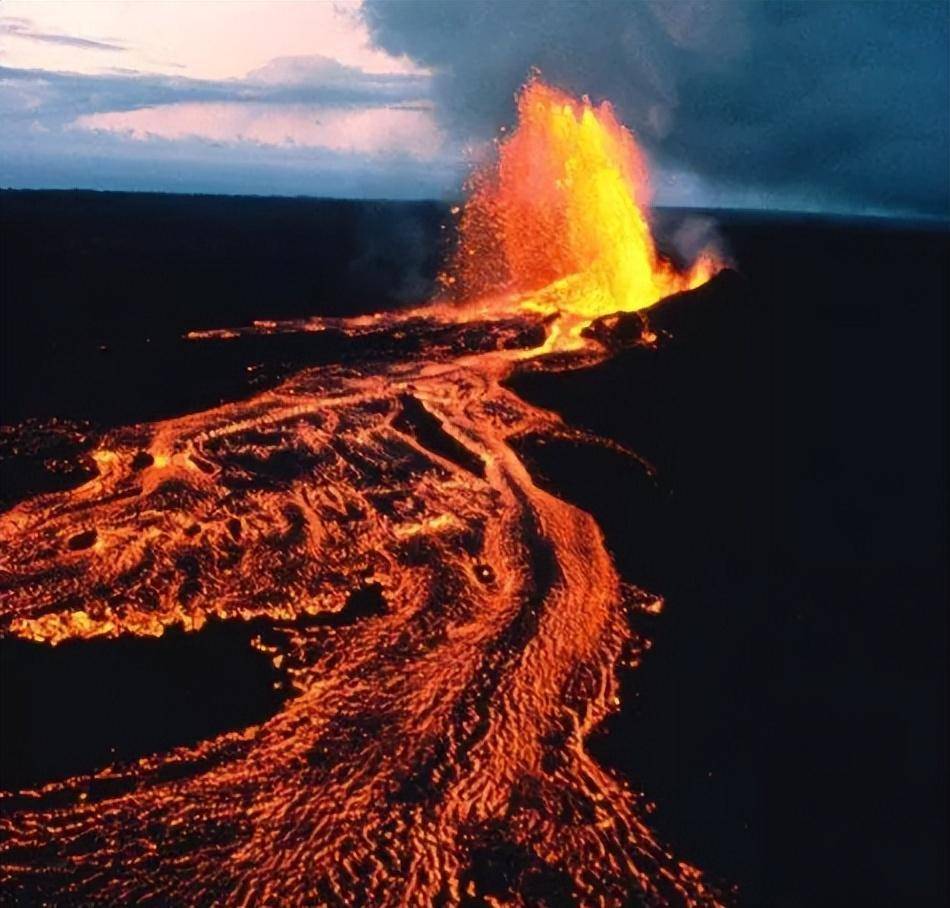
(443, 733)
(560, 218)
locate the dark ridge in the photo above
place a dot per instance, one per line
(693, 314)
(661, 213)
(417, 421)
(82, 705)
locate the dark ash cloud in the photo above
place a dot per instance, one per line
(837, 105)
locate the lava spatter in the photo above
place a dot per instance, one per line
(451, 631)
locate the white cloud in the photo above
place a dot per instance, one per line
(376, 131)
(200, 38)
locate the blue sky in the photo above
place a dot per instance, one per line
(839, 106)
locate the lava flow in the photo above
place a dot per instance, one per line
(451, 632)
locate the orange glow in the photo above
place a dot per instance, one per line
(451, 720)
(560, 218)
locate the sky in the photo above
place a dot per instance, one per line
(828, 105)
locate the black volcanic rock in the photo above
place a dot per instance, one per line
(39, 456)
(706, 309)
(688, 314)
(622, 329)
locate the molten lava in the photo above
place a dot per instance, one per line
(434, 750)
(560, 218)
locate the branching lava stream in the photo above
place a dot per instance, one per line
(450, 630)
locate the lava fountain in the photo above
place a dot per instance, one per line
(559, 218)
(433, 751)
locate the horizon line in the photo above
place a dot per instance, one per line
(933, 219)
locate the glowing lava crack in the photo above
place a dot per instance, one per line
(442, 736)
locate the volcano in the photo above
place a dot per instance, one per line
(404, 529)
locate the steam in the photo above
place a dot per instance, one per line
(695, 235)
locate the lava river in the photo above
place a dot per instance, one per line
(450, 630)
